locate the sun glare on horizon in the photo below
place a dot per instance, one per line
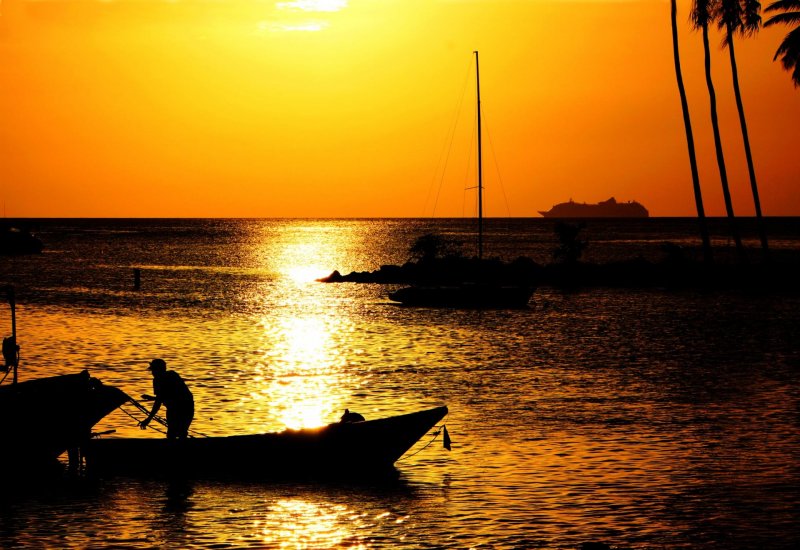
(302, 7)
(312, 5)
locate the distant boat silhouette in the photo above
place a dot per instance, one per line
(604, 209)
(469, 294)
(15, 241)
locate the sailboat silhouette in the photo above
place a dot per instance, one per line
(480, 293)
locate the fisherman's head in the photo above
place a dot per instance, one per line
(157, 365)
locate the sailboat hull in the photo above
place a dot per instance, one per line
(467, 294)
(476, 296)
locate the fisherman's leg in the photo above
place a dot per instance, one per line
(181, 421)
(173, 423)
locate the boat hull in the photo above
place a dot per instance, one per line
(47, 416)
(464, 296)
(341, 449)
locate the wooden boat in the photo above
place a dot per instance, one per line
(481, 293)
(342, 449)
(44, 417)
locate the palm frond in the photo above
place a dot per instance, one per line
(752, 15)
(742, 17)
(789, 52)
(796, 75)
(702, 13)
(783, 5)
(783, 19)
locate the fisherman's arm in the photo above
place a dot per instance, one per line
(156, 406)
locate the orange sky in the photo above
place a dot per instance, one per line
(337, 108)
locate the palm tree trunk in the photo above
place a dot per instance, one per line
(723, 173)
(743, 122)
(687, 123)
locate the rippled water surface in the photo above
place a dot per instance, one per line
(644, 419)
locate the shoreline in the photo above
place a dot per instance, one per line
(781, 273)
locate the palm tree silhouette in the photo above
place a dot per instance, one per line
(789, 50)
(743, 17)
(687, 123)
(702, 11)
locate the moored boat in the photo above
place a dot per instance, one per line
(343, 448)
(478, 291)
(16, 242)
(44, 417)
(465, 295)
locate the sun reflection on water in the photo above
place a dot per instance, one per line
(301, 274)
(298, 523)
(299, 377)
(299, 255)
(304, 370)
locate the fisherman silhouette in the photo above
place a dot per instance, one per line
(172, 392)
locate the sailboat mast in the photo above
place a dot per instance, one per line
(480, 160)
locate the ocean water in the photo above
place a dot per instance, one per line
(640, 418)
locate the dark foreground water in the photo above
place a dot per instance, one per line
(644, 419)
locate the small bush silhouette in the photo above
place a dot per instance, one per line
(571, 246)
(432, 246)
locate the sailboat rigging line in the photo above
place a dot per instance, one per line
(467, 172)
(496, 163)
(447, 146)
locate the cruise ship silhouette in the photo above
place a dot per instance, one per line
(604, 209)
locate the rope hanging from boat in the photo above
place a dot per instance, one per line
(445, 441)
(157, 418)
(444, 155)
(145, 411)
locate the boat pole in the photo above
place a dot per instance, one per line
(480, 160)
(12, 302)
(10, 348)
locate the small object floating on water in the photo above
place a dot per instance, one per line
(351, 417)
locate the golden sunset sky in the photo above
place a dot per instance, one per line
(342, 108)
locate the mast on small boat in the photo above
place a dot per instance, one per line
(480, 159)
